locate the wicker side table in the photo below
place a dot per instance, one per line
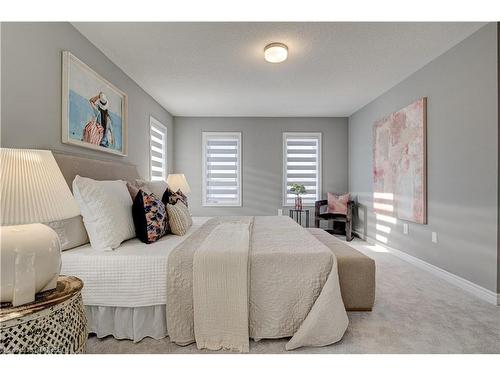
(54, 323)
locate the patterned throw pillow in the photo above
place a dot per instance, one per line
(337, 204)
(172, 197)
(179, 219)
(150, 217)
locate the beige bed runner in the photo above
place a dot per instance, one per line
(293, 286)
(220, 289)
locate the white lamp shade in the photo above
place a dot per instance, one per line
(33, 189)
(178, 181)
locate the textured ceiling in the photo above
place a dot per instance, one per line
(218, 69)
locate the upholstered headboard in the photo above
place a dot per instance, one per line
(71, 165)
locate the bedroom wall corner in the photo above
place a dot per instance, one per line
(31, 63)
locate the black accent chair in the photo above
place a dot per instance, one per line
(342, 224)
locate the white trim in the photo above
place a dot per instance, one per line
(154, 123)
(466, 285)
(204, 136)
(319, 165)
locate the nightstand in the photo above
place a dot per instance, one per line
(55, 323)
(297, 215)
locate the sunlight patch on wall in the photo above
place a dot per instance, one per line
(384, 196)
(383, 221)
(385, 218)
(383, 207)
(383, 228)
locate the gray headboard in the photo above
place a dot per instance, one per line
(71, 165)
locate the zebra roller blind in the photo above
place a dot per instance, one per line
(157, 150)
(221, 168)
(302, 165)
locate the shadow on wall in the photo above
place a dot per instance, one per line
(360, 219)
(261, 191)
(456, 234)
(261, 195)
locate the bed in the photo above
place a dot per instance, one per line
(125, 289)
(291, 288)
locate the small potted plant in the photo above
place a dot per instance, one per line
(298, 189)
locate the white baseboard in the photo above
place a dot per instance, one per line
(474, 289)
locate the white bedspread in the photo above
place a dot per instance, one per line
(131, 276)
(294, 285)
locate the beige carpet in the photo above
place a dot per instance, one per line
(415, 312)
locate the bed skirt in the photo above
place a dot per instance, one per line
(132, 323)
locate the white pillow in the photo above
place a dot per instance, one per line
(155, 187)
(106, 208)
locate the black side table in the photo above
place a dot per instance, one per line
(297, 216)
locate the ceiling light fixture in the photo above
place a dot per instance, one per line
(275, 52)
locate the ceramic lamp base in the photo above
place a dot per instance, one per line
(30, 262)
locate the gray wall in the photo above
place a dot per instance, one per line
(262, 158)
(31, 91)
(498, 150)
(461, 86)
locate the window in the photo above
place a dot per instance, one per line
(302, 165)
(157, 150)
(221, 169)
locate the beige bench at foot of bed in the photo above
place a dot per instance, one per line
(356, 272)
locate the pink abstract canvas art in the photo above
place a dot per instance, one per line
(399, 163)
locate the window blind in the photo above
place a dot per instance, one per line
(158, 150)
(302, 165)
(221, 169)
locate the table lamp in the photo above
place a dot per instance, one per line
(178, 181)
(33, 191)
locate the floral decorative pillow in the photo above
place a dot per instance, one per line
(150, 217)
(171, 197)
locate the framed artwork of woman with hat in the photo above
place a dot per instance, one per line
(94, 111)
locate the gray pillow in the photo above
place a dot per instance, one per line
(71, 232)
(155, 187)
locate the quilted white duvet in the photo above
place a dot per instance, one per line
(134, 275)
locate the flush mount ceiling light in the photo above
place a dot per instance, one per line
(275, 52)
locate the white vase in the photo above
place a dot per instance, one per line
(30, 262)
